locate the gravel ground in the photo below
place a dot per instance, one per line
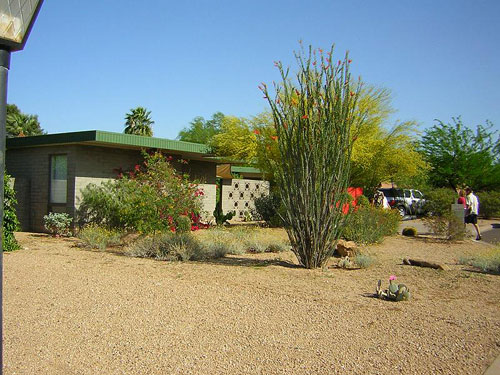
(73, 311)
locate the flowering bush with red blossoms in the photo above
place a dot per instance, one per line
(148, 199)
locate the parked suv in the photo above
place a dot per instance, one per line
(406, 201)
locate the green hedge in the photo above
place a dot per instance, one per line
(370, 224)
(438, 201)
(489, 204)
(10, 222)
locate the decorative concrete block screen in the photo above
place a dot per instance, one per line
(238, 195)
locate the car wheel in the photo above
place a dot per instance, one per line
(402, 211)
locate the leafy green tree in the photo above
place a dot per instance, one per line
(201, 130)
(313, 117)
(20, 124)
(138, 122)
(10, 221)
(459, 156)
(236, 140)
(381, 154)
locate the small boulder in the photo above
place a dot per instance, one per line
(346, 249)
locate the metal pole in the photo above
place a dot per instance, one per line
(4, 73)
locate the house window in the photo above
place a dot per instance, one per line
(58, 178)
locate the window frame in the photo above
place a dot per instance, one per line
(54, 204)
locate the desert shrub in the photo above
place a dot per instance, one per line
(175, 247)
(57, 223)
(104, 204)
(345, 263)
(232, 240)
(96, 237)
(149, 199)
(371, 224)
(216, 250)
(238, 241)
(363, 201)
(145, 247)
(364, 260)
(409, 232)
(256, 247)
(220, 217)
(183, 224)
(276, 247)
(179, 246)
(268, 208)
(489, 203)
(489, 262)
(448, 226)
(247, 216)
(438, 201)
(10, 222)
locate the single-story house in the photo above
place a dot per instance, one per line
(51, 170)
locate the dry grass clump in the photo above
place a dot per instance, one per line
(97, 237)
(175, 247)
(487, 262)
(242, 240)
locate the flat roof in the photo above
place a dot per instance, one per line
(109, 139)
(238, 169)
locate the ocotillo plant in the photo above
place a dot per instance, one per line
(313, 117)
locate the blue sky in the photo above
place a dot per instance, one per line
(86, 64)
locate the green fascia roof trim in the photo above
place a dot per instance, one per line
(245, 169)
(108, 138)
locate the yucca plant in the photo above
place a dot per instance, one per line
(313, 117)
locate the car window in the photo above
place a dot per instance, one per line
(398, 193)
(387, 192)
(417, 194)
(407, 193)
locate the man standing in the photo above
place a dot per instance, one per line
(472, 210)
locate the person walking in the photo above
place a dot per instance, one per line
(472, 210)
(461, 198)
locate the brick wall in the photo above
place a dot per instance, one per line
(31, 167)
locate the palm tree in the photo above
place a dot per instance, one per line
(139, 122)
(22, 125)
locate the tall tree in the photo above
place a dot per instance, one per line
(459, 156)
(20, 124)
(138, 122)
(383, 153)
(313, 117)
(201, 130)
(235, 140)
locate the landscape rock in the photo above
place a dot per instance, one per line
(423, 263)
(346, 248)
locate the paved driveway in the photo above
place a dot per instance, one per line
(488, 233)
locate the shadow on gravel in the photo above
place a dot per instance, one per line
(429, 238)
(369, 295)
(248, 262)
(474, 270)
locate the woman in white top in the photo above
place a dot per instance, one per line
(472, 210)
